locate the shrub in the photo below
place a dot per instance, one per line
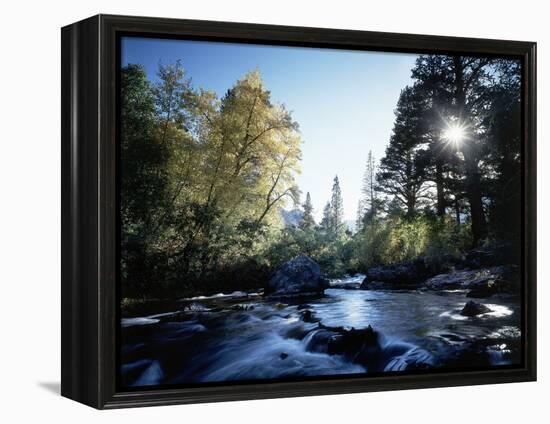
(397, 239)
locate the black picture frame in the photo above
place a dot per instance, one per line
(89, 206)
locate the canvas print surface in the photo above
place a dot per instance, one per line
(289, 213)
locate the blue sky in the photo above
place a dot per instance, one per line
(343, 100)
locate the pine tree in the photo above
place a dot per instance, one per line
(369, 202)
(337, 208)
(402, 173)
(308, 222)
(465, 82)
(327, 217)
(360, 216)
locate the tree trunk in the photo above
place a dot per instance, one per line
(411, 205)
(440, 190)
(473, 179)
(473, 192)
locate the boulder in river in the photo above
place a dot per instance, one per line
(318, 340)
(472, 309)
(403, 275)
(482, 282)
(413, 359)
(308, 316)
(298, 277)
(488, 286)
(351, 341)
(452, 280)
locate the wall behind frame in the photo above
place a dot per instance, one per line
(30, 224)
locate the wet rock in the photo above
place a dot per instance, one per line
(298, 277)
(242, 307)
(483, 282)
(452, 280)
(361, 346)
(414, 359)
(402, 275)
(195, 307)
(283, 355)
(351, 341)
(486, 287)
(297, 332)
(318, 340)
(485, 352)
(308, 316)
(472, 309)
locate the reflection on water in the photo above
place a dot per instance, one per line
(408, 314)
(272, 340)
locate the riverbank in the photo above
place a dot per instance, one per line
(482, 268)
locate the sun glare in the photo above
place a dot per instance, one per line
(455, 134)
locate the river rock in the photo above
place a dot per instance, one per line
(242, 307)
(413, 359)
(402, 275)
(351, 341)
(472, 309)
(452, 280)
(485, 352)
(360, 346)
(318, 340)
(308, 316)
(488, 286)
(482, 282)
(297, 277)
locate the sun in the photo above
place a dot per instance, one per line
(455, 133)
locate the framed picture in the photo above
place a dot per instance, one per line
(253, 211)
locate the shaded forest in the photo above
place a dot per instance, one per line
(205, 178)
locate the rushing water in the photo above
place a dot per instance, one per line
(221, 339)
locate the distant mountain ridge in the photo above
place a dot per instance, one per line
(292, 218)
